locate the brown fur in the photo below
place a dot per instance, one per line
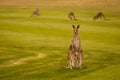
(71, 16)
(99, 15)
(35, 12)
(75, 52)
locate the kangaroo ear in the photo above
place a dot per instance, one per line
(73, 26)
(78, 26)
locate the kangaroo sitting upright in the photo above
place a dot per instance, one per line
(75, 51)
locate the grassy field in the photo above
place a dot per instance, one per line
(35, 48)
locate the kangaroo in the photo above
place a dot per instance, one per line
(99, 15)
(75, 51)
(35, 12)
(71, 16)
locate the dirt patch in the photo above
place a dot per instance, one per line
(97, 4)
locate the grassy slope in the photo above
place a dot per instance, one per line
(35, 48)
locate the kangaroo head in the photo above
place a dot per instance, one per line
(75, 29)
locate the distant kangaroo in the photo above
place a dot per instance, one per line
(35, 12)
(71, 16)
(75, 51)
(99, 15)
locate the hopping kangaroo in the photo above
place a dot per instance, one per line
(75, 51)
(35, 12)
(99, 15)
(71, 16)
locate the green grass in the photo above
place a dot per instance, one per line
(35, 48)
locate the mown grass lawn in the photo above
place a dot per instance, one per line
(34, 48)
